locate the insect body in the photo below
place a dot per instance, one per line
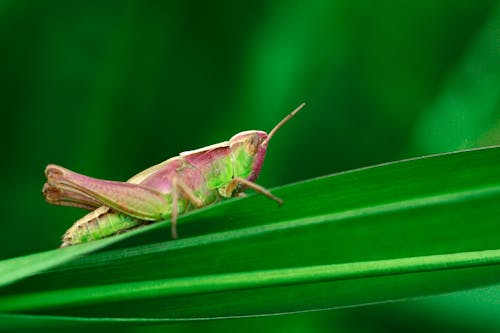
(191, 180)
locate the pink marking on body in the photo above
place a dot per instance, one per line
(161, 180)
(204, 159)
(257, 163)
(188, 169)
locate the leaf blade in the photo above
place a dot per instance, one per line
(419, 208)
(247, 280)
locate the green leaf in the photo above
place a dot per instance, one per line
(14, 269)
(401, 230)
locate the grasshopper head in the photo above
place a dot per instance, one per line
(248, 152)
(249, 149)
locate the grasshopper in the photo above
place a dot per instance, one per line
(193, 179)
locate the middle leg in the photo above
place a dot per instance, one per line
(179, 186)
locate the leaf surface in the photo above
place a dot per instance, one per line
(396, 231)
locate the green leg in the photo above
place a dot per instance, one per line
(131, 199)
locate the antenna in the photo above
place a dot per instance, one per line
(281, 123)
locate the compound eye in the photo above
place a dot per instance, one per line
(252, 144)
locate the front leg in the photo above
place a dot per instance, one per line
(257, 188)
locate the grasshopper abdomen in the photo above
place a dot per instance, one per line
(98, 224)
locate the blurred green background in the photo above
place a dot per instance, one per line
(109, 88)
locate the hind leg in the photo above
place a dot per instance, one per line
(58, 195)
(130, 199)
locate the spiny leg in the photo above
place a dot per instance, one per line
(131, 199)
(179, 185)
(257, 188)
